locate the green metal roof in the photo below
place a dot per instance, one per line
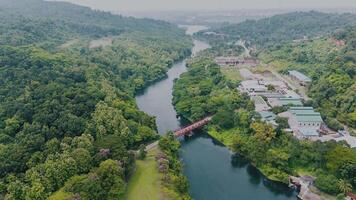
(306, 114)
(267, 115)
(290, 101)
(309, 118)
(303, 112)
(302, 108)
(309, 132)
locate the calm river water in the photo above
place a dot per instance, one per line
(212, 172)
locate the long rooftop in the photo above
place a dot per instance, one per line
(290, 101)
(306, 114)
(299, 76)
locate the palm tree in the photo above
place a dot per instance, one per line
(344, 186)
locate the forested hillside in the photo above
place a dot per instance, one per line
(305, 41)
(280, 28)
(68, 119)
(51, 23)
(332, 68)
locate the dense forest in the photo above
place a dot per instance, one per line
(68, 119)
(49, 23)
(204, 91)
(280, 28)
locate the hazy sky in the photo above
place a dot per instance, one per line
(155, 5)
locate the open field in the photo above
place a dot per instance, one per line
(225, 137)
(145, 183)
(231, 73)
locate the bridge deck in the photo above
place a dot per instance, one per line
(188, 129)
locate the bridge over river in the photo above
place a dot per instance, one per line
(188, 129)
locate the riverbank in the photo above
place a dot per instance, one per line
(227, 138)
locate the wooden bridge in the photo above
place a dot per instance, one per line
(188, 129)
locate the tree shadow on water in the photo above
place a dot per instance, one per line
(278, 188)
(255, 176)
(238, 161)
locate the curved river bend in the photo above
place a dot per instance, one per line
(212, 172)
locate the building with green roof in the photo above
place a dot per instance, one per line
(268, 116)
(301, 78)
(308, 121)
(286, 101)
(309, 132)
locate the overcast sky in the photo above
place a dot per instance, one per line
(156, 5)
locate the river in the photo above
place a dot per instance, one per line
(212, 172)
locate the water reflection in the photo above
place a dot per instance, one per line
(238, 161)
(255, 176)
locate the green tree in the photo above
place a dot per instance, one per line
(344, 186)
(142, 152)
(83, 160)
(327, 183)
(263, 132)
(224, 118)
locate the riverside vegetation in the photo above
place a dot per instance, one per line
(203, 90)
(68, 117)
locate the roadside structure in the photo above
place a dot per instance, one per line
(285, 101)
(260, 103)
(290, 94)
(304, 122)
(278, 85)
(268, 117)
(251, 86)
(300, 77)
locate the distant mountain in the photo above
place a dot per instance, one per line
(31, 21)
(284, 27)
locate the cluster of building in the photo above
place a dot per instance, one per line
(304, 122)
(267, 92)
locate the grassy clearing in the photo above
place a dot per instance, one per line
(231, 73)
(60, 195)
(145, 183)
(225, 137)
